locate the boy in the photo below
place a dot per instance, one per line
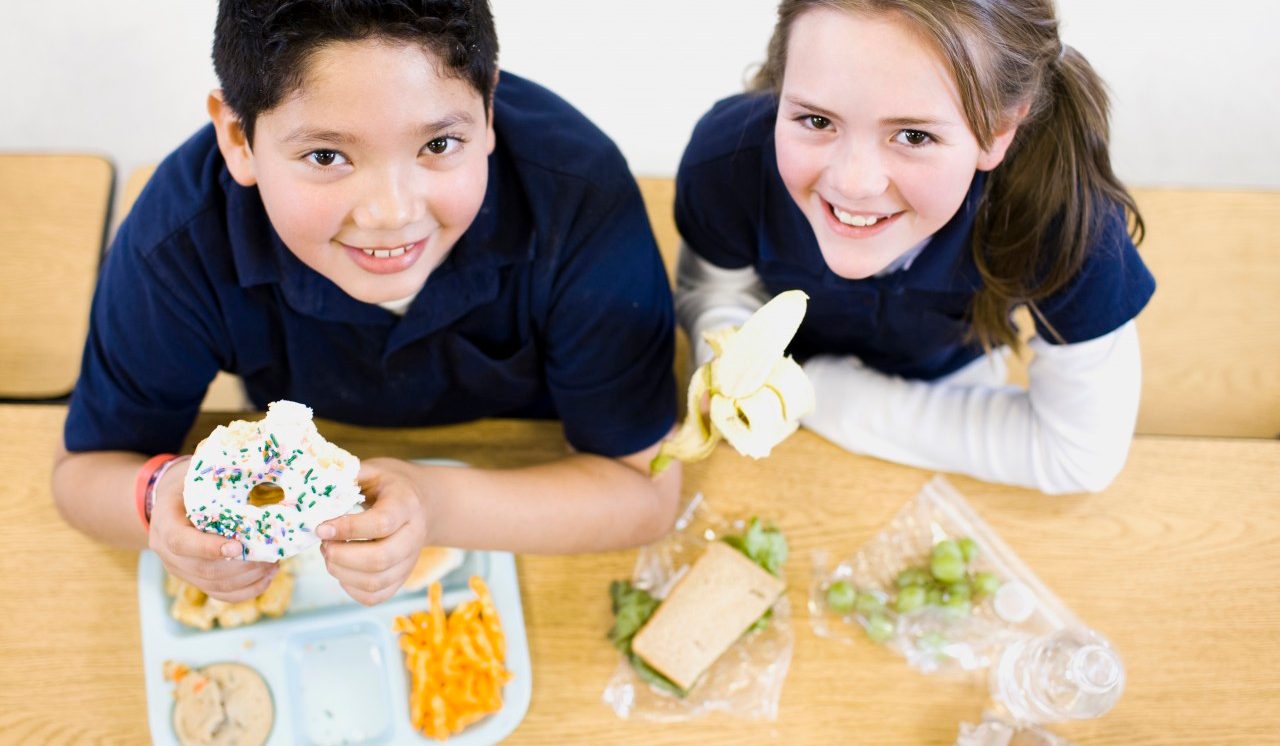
(379, 225)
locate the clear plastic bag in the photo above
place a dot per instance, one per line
(746, 681)
(998, 731)
(931, 637)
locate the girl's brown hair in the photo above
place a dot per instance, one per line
(1046, 203)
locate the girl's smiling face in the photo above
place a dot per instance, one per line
(872, 139)
(373, 169)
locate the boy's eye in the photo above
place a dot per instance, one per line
(324, 158)
(813, 121)
(914, 138)
(441, 145)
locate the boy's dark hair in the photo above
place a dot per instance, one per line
(261, 47)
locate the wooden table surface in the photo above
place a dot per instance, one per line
(1177, 563)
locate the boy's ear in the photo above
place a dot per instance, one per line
(232, 140)
(994, 155)
(490, 137)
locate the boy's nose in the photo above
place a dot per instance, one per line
(859, 174)
(389, 202)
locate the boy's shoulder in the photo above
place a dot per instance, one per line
(735, 125)
(185, 187)
(542, 131)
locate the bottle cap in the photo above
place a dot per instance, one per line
(1014, 602)
(1096, 668)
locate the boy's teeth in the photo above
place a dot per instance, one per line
(386, 253)
(856, 220)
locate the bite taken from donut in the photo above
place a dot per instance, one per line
(269, 483)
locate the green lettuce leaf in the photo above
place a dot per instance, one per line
(766, 547)
(632, 607)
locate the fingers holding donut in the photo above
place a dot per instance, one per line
(371, 553)
(197, 557)
(370, 588)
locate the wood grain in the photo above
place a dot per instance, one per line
(53, 213)
(1211, 336)
(1176, 563)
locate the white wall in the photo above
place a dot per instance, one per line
(1196, 100)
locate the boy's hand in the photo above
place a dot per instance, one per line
(207, 561)
(371, 553)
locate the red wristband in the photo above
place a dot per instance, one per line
(143, 483)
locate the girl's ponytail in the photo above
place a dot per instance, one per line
(1046, 204)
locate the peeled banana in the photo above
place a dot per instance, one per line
(756, 394)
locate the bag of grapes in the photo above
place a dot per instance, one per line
(937, 585)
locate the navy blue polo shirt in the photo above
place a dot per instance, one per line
(733, 209)
(553, 304)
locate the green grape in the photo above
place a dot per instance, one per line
(910, 598)
(912, 576)
(841, 596)
(879, 628)
(985, 584)
(947, 548)
(868, 605)
(968, 549)
(957, 607)
(947, 568)
(934, 596)
(958, 590)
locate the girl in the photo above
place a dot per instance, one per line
(921, 170)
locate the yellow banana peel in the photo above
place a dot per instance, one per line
(756, 394)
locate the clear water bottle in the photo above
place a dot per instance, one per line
(1071, 674)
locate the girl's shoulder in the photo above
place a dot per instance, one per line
(1112, 285)
(735, 126)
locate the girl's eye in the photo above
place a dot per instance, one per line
(914, 138)
(813, 121)
(326, 158)
(441, 145)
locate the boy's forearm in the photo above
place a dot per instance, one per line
(581, 503)
(93, 492)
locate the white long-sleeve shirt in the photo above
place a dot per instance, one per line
(1069, 431)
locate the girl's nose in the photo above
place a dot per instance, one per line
(858, 173)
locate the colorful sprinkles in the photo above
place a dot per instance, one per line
(275, 450)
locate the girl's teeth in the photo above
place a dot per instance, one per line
(856, 220)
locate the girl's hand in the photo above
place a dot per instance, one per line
(372, 553)
(208, 561)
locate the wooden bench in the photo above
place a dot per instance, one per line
(53, 218)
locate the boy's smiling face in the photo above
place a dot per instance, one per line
(372, 169)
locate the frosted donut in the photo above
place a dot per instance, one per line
(316, 477)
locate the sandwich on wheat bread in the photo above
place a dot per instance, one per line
(722, 595)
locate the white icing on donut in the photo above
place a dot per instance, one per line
(285, 449)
